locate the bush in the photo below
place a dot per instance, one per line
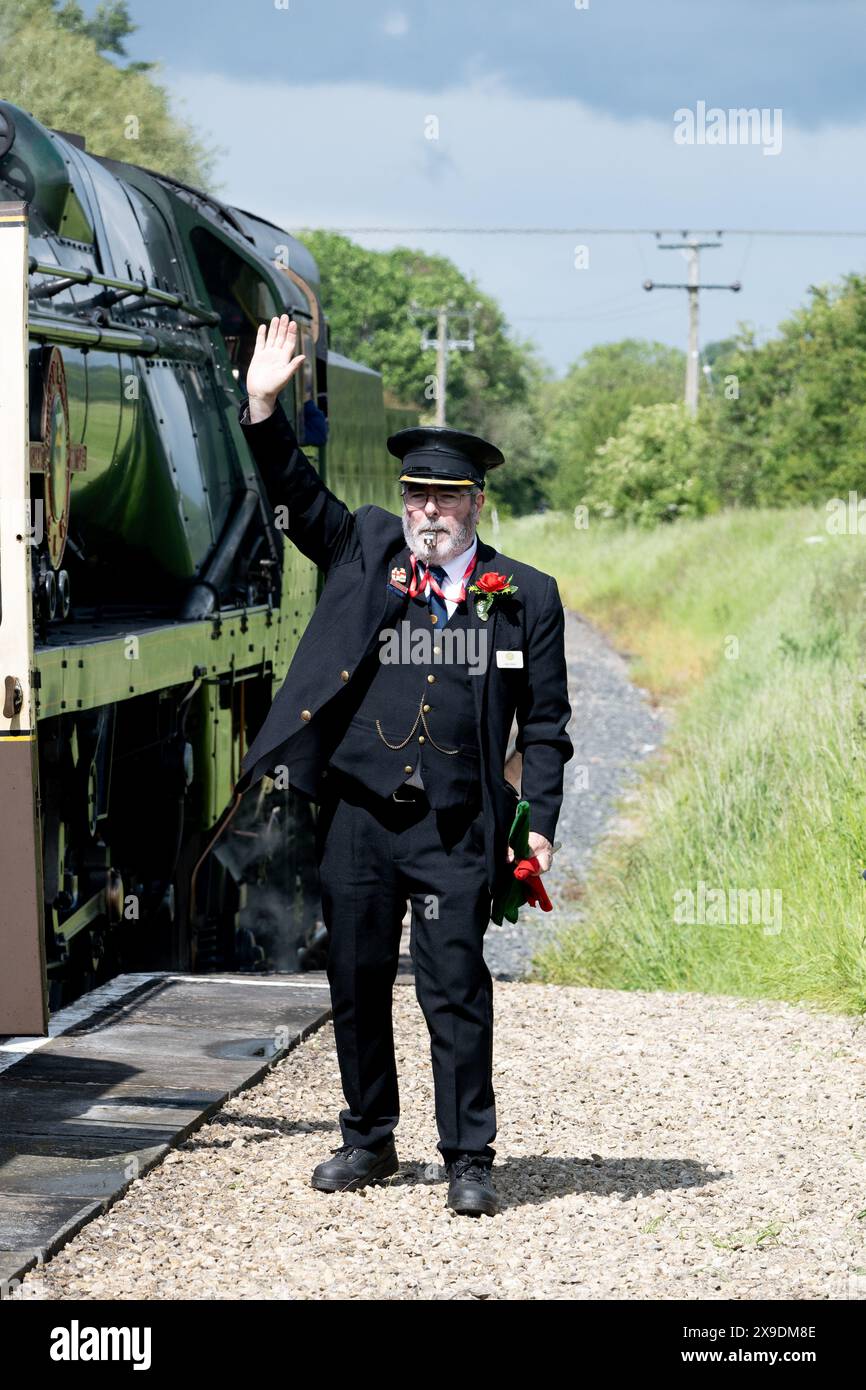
(653, 469)
(593, 401)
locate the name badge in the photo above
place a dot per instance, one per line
(511, 659)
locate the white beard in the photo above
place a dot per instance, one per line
(434, 543)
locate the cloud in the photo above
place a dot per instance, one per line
(395, 25)
(520, 161)
(625, 58)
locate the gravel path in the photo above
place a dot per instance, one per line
(650, 1146)
(613, 726)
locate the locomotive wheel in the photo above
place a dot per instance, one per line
(63, 595)
(48, 595)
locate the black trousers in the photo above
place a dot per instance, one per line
(373, 854)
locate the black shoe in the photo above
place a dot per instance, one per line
(353, 1167)
(470, 1187)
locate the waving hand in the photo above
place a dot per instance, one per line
(273, 365)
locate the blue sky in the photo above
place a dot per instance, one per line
(548, 115)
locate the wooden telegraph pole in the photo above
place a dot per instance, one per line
(445, 344)
(693, 249)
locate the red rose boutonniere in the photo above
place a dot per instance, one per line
(489, 587)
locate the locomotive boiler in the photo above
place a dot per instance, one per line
(149, 602)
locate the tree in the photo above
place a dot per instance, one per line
(492, 391)
(52, 64)
(788, 424)
(368, 296)
(596, 395)
(110, 25)
(718, 351)
(651, 470)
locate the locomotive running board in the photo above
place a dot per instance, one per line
(23, 990)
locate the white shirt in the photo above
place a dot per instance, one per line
(454, 571)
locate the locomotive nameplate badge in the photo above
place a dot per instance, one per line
(54, 455)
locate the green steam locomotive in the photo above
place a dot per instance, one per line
(149, 602)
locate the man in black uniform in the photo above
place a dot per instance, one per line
(395, 716)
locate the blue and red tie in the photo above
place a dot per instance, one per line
(429, 579)
(434, 595)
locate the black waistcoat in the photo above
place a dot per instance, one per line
(430, 723)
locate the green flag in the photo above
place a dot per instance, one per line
(508, 902)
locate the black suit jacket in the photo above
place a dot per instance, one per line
(356, 551)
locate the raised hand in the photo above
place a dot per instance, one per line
(273, 365)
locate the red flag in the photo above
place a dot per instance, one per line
(536, 894)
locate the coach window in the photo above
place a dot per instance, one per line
(308, 348)
(305, 381)
(309, 384)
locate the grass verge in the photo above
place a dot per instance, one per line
(745, 875)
